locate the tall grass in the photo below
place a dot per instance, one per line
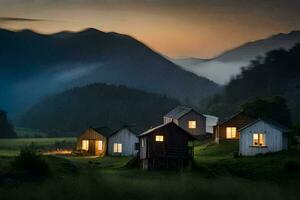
(149, 185)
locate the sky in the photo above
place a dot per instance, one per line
(175, 28)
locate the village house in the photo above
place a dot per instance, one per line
(123, 142)
(166, 146)
(228, 130)
(188, 119)
(262, 136)
(94, 141)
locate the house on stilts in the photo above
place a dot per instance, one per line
(167, 146)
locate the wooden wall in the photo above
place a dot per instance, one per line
(91, 135)
(174, 147)
(239, 121)
(191, 116)
(274, 139)
(128, 141)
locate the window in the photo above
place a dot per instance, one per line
(117, 148)
(99, 145)
(230, 132)
(159, 138)
(85, 145)
(192, 124)
(259, 139)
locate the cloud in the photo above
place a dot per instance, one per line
(20, 19)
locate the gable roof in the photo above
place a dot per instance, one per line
(233, 116)
(267, 121)
(130, 128)
(105, 131)
(179, 112)
(164, 125)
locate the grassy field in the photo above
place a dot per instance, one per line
(11, 147)
(217, 174)
(29, 133)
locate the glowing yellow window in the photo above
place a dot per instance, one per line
(192, 124)
(259, 139)
(99, 145)
(159, 138)
(117, 148)
(230, 132)
(85, 145)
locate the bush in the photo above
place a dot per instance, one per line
(30, 162)
(292, 166)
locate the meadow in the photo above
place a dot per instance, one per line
(216, 173)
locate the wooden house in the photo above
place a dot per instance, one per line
(166, 146)
(228, 129)
(262, 136)
(123, 142)
(188, 119)
(94, 141)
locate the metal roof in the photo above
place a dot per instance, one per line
(267, 121)
(179, 111)
(166, 124)
(132, 129)
(105, 131)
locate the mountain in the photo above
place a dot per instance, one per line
(35, 65)
(278, 73)
(97, 105)
(229, 63)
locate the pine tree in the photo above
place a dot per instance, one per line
(6, 129)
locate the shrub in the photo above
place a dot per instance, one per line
(292, 166)
(30, 162)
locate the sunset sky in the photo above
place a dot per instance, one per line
(176, 28)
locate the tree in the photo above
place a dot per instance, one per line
(277, 73)
(274, 108)
(6, 129)
(295, 135)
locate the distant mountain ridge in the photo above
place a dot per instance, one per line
(35, 65)
(221, 68)
(251, 50)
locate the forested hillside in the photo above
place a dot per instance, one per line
(97, 105)
(278, 73)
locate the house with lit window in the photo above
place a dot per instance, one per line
(167, 146)
(188, 119)
(262, 136)
(123, 142)
(228, 129)
(93, 141)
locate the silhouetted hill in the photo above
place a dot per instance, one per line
(278, 73)
(229, 63)
(34, 65)
(97, 105)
